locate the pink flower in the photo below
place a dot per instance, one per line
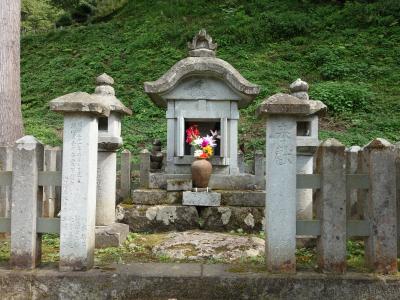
(210, 141)
(204, 143)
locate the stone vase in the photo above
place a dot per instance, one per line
(201, 172)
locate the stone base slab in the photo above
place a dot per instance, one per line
(155, 197)
(113, 235)
(201, 198)
(244, 198)
(158, 218)
(161, 218)
(201, 281)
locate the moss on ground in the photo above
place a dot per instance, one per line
(138, 248)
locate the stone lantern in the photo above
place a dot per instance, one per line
(207, 91)
(108, 233)
(307, 142)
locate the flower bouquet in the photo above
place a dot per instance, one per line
(203, 149)
(203, 146)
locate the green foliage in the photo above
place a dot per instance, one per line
(64, 20)
(348, 53)
(38, 15)
(343, 97)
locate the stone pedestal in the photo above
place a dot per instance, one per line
(281, 112)
(201, 198)
(280, 205)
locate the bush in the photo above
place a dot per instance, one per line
(82, 12)
(343, 97)
(64, 20)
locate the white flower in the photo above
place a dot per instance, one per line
(215, 134)
(198, 141)
(210, 140)
(198, 153)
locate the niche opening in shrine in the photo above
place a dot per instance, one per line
(204, 127)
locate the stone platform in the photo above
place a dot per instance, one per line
(159, 210)
(200, 281)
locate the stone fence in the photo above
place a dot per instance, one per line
(356, 194)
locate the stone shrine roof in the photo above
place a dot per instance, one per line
(201, 63)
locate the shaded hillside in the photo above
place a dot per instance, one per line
(349, 54)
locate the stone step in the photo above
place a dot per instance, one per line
(228, 198)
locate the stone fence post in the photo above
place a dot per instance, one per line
(126, 158)
(5, 191)
(79, 172)
(26, 196)
(259, 164)
(397, 153)
(353, 206)
(51, 200)
(378, 159)
(331, 207)
(144, 168)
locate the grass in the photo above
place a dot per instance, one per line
(348, 53)
(138, 248)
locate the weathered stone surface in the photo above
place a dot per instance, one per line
(217, 181)
(105, 93)
(179, 185)
(201, 198)
(331, 207)
(378, 160)
(194, 245)
(144, 168)
(155, 197)
(109, 143)
(145, 218)
(353, 206)
(242, 198)
(288, 104)
(78, 197)
(79, 102)
(106, 187)
(225, 218)
(299, 89)
(284, 104)
(166, 281)
(280, 206)
(199, 65)
(112, 235)
(26, 195)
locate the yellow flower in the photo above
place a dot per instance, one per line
(208, 150)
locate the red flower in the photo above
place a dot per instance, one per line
(192, 133)
(203, 155)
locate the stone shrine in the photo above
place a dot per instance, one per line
(204, 90)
